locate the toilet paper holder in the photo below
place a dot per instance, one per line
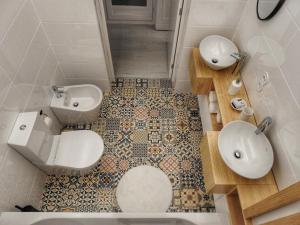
(43, 114)
(47, 119)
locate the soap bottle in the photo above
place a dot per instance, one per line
(235, 87)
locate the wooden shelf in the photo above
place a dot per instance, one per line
(218, 177)
(235, 210)
(203, 79)
(222, 180)
(252, 194)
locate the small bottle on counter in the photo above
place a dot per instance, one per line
(235, 87)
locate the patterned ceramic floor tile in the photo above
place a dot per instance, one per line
(142, 122)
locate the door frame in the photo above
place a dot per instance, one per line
(180, 40)
(102, 21)
(101, 17)
(172, 52)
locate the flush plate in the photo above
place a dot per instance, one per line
(262, 81)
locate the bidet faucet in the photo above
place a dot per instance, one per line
(240, 58)
(264, 125)
(58, 90)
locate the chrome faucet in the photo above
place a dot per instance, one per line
(58, 90)
(240, 58)
(264, 125)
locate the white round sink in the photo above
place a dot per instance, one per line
(246, 153)
(215, 50)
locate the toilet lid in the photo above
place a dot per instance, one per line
(79, 149)
(144, 189)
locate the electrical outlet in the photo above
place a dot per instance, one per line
(262, 81)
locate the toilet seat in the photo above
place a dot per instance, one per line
(79, 149)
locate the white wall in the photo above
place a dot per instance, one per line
(42, 43)
(27, 70)
(72, 28)
(206, 17)
(274, 47)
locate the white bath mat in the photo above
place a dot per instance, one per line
(144, 189)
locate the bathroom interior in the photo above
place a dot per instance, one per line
(149, 112)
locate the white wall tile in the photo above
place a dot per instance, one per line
(66, 11)
(59, 78)
(34, 59)
(16, 97)
(22, 54)
(84, 70)
(281, 29)
(274, 48)
(78, 54)
(216, 13)
(8, 10)
(4, 84)
(72, 29)
(294, 8)
(47, 75)
(7, 119)
(14, 46)
(73, 34)
(291, 68)
(39, 99)
(194, 35)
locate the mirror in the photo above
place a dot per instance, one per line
(266, 9)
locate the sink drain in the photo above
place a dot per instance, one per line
(76, 104)
(237, 154)
(214, 60)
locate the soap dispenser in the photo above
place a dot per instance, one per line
(235, 86)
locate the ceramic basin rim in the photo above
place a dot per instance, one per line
(249, 175)
(78, 109)
(220, 63)
(90, 108)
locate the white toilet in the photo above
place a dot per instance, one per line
(73, 152)
(76, 104)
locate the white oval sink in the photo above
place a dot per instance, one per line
(215, 50)
(246, 153)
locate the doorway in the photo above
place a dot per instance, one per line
(129, 10)
(143, 36)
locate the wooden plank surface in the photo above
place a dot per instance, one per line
(206, 164)
(251, 194)
(235, 210)
(201, 82)
(218, 177)
(221, 81)
(221, 84)
(287, 220)
(282, 198)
